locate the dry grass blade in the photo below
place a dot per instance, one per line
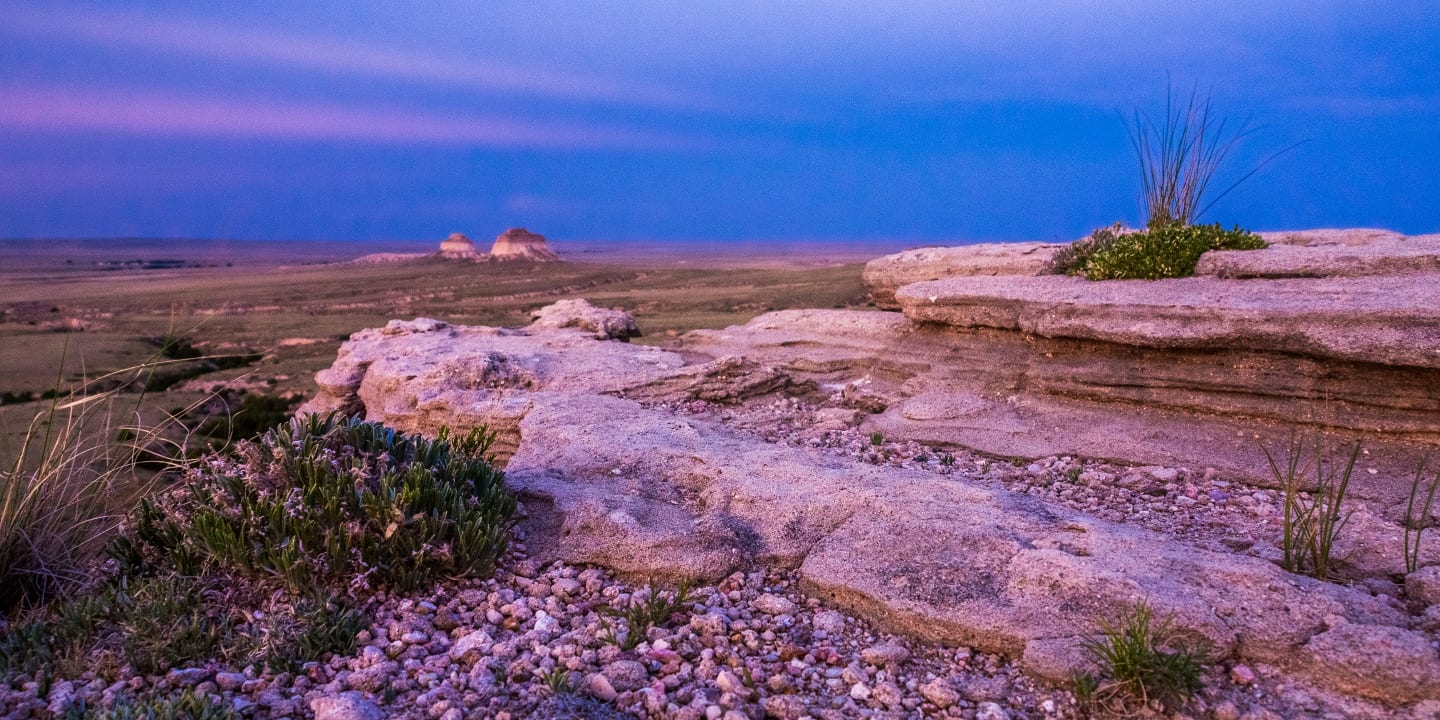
(64, 492)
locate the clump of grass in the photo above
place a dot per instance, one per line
(1140, 661)
(1168, 251)
(1312, 524)
(66, 490)
(1417, 517)
(656, 610)
(559, 681)
(1180, 154)
(333, 501)
(877, 438)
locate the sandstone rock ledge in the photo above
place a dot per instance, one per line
(1326, 332)
(637, 488)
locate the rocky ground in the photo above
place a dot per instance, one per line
(537, 643)
(548, 642)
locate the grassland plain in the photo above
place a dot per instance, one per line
(90, 318)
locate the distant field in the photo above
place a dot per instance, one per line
(97, 319)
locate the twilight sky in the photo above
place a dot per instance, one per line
(733, 119)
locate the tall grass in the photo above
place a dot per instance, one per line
(1417, 516)
(75, 475)
(1180, 154)
(1312, 524)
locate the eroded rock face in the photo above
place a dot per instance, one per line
(885, 275)
(521, 244)
(1326, 331)
(646, 491)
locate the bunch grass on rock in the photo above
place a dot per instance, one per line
(1417, 515)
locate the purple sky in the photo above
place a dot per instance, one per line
(920, 121)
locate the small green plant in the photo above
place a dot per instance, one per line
(947, 460)
(1417, 517)
(877, 438)
(559, 681)
(656, 610)
(187, 705)
(1139, 661)
(1169, 251)
(1312, 524)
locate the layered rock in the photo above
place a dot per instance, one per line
(1327, 331)
(521, 244)
(643, 490)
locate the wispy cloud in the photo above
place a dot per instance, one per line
(52, 108)
(261, 46)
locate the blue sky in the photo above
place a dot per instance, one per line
(919, 121)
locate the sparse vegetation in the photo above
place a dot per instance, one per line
(1311, 524)
(1140, 661)
(656, 609)
(1417, 517)
(877, 438)
(1169, 251)
(251, 561)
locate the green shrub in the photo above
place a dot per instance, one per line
(338, 502)
(1135, 666)
(1166, 252)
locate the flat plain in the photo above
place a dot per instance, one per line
(73, 312)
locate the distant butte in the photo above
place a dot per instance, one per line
(521, 244)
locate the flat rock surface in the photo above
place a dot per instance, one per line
(1327, 253)
(644, 490)
(883, 276)
(1388, 320)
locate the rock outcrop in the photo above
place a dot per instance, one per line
(1332, 332)
(644, 490)
(521, 244)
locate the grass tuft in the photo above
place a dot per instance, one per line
(1313, 522)
(657, 609)
(1135, 666)
(84, 462)
(1417, 517)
